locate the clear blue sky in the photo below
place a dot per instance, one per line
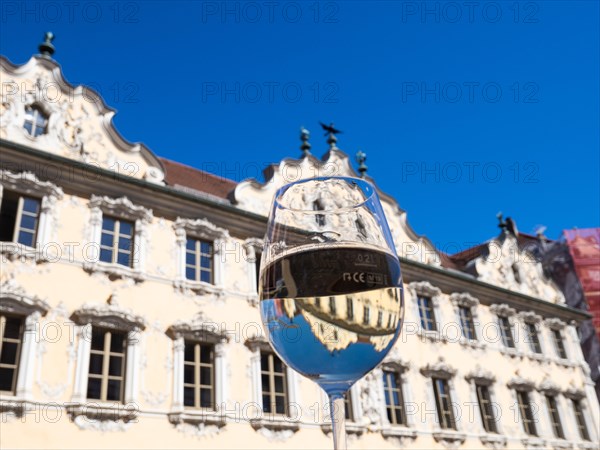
(463, 110)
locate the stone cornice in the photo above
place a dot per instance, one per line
(108, 316)
(14, 299)
(168, 202)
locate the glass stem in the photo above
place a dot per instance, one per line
(338, 420)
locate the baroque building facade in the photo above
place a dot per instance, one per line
(128, 308)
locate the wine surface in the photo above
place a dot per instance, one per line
(332, 313)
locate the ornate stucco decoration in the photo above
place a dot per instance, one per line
(15, 300)
(79, 123)
(519, 383)
(110, 316)
(426, 289)
(574, 392)
(251, 195)
(504, 264)
(530, 317)
(463, 299)
(200, 229)
(199, 328)
(555, 323)
(502, 310)
(439, 369)
(547, 386)
(480, 375)
(26, 183)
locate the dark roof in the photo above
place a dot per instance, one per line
(188, 178)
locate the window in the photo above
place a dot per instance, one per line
(274, 384)
(394, 401)
(426, 313)
(581, 425)
(11, 337)
(199, 260)
(106, 377)
(198, 375)
(116, 241)
(467, 323)
(19, 218)
(36, 121)
(533, 338)
(526, 413)
(443, 403)
(559, 344)
(349, 308)
(332, 306)
(554, 417)
(366, 314)
(257, 267)
(349, 412)
(506, 332)
(485, 408)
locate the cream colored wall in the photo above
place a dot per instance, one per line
(66, 286)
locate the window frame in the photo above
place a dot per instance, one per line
(580, 420)
(15, 301)
(198, 254)
(272, 393)
(27, 184)
(119, 209)
(108, 316)
(488, 418)
(201, 229)
(554, 415)
(425, 304)
(37, 112)
(390, 410)
(528, 421)
(116, 240)
(107, 353)
(15, 367)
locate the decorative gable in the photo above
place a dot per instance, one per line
(40, 109)
(251, 195)
(504, 264)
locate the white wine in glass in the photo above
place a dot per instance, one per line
(330, 285)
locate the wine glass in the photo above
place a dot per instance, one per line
(330, 286)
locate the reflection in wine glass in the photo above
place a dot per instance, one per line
(330, 284)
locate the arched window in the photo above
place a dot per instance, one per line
(36, 121)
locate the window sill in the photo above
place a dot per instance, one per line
(493, 440)
(13, 405)
(351, 428)
(434, 336)
(103, 412)
(278, 423)
(398, 431)
(198, 287)
(449, 436)
(198, 416)
(114, 271)
(512, 352)
(12, 251)
(559, 443)
(472, 343)
(533, 441)
(586, 445)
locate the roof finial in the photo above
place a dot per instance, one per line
(361, 157)
(46, 48)
(501, 222)
(331, 132)
(304, 137)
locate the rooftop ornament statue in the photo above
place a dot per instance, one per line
(361, 157)
(331, 132)
(46, 48)
(304, 137)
